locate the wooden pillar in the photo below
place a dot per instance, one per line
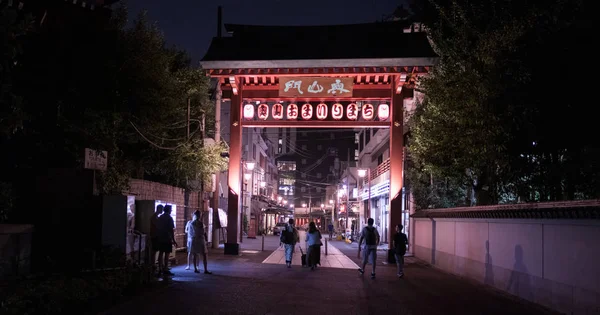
(396, 161)
(232, 247)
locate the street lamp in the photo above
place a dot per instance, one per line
(250, 165)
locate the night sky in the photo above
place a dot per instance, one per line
(191, 24)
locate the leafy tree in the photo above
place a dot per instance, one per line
(487, 118)
(12, 30)
(119, 89)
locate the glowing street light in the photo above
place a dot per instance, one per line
(331, 201)
(263, 184)
(285, 202)
(303, 205)
(250, 165)
(247, 176)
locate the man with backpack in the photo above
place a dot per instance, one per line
(370, 235)
(289, 237)
(400, 244)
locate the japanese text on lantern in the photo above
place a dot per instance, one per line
(263, 111)
(316, 86)
(307, 111)
(292, 111)
(277, 111)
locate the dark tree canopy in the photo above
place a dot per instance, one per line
(503, 118)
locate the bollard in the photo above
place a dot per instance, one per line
(263, 243)
(325, 247)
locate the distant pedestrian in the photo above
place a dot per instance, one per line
(166, 240)
(313, 240)
(154, 241)
(330, 228)
(196, 242)
(400, 246)
(371, 237)
(289, 237)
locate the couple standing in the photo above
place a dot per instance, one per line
(289, 237)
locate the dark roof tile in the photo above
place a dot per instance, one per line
(372, 40)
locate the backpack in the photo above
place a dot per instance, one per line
(370, 237)
(287, 237)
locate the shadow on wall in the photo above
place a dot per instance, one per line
(433, 232)
(489, 266)
(519, 283)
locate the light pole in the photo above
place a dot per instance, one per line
(248, 177)
(361, 174)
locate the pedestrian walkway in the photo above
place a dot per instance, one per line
(333, 259)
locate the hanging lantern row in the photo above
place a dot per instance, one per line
(321, 112)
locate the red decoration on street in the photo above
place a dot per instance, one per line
(368, 111)
(337, 111)
(263, 111)
(248, 111)
(277, 111)
(383, 111)
(292, 111)
(352, 111)
(321, 111)
(307, 111)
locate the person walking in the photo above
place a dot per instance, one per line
(196, 243)
(330, 228)
(370, 235)
(289, 237)
(400, 245)
(313, 240)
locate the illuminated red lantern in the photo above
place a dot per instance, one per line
(263, 111)
(383, 111)
(321, 111)
(352, 111)
(248, 111)
(307, 111)
(368, 111)
(337, 111)
(292, 111)
(277, 111)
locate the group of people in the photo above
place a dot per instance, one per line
(367, 246)
(162, 239)
(290, 237)
(370, 236)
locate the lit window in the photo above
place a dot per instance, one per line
(280, 141)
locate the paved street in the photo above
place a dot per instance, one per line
(245, 285)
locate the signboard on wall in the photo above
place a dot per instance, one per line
(315, 87)
(95, 160)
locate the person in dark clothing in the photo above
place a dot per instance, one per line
(400, 246)
(166, 239)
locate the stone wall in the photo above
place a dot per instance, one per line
(549, 259)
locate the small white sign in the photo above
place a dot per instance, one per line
(95, 160)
